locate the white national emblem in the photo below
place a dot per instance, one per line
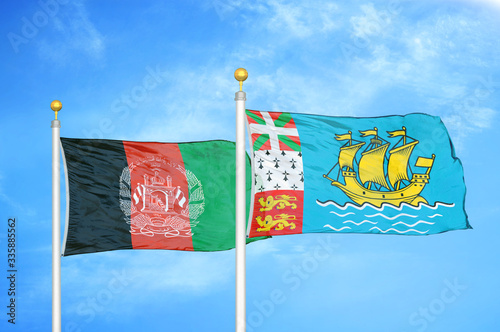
(155, 206)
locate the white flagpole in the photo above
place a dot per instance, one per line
(240, 74)
(56, 221)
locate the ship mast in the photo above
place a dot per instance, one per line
(399, 158)
(371, 165)
(348, 151)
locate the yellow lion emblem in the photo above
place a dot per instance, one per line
(278, 224)
(281, 200)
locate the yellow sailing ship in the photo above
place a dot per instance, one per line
(371, 184)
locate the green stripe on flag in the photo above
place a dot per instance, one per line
(283, 120)
(261, 140)
(290, 143)
(256, 118)
(213, 165)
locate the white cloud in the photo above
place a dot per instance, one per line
(155, 270)
(481, 117)
(17, 207)
(494, 4)
(259, 249)
(192, 275)
(121, 280)
(76, 35)
(197, 105)
(419, 56)
(373, 22)
(422, 48)
(248, 51)
(302, 19)
(287, 91)
(288, 19)
(190, 106)
(466, 121)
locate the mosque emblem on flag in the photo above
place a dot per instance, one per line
(158, 205)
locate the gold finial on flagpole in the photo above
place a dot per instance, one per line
(56, 106)
(241, 74)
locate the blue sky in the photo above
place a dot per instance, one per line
(163, 71)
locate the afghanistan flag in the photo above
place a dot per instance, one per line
(145, 195)
(394, 174)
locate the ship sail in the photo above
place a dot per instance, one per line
(347, 154)
(365, 183)
(371, 166)
(398, 163)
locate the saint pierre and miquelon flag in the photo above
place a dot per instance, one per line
(391, 175)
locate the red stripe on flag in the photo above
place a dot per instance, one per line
(159, 197)
(265, 146)
(276, 115)
(277, 212)
(290, 124)
(285, 147)
(252, 120)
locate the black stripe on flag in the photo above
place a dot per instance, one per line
(96, 221)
